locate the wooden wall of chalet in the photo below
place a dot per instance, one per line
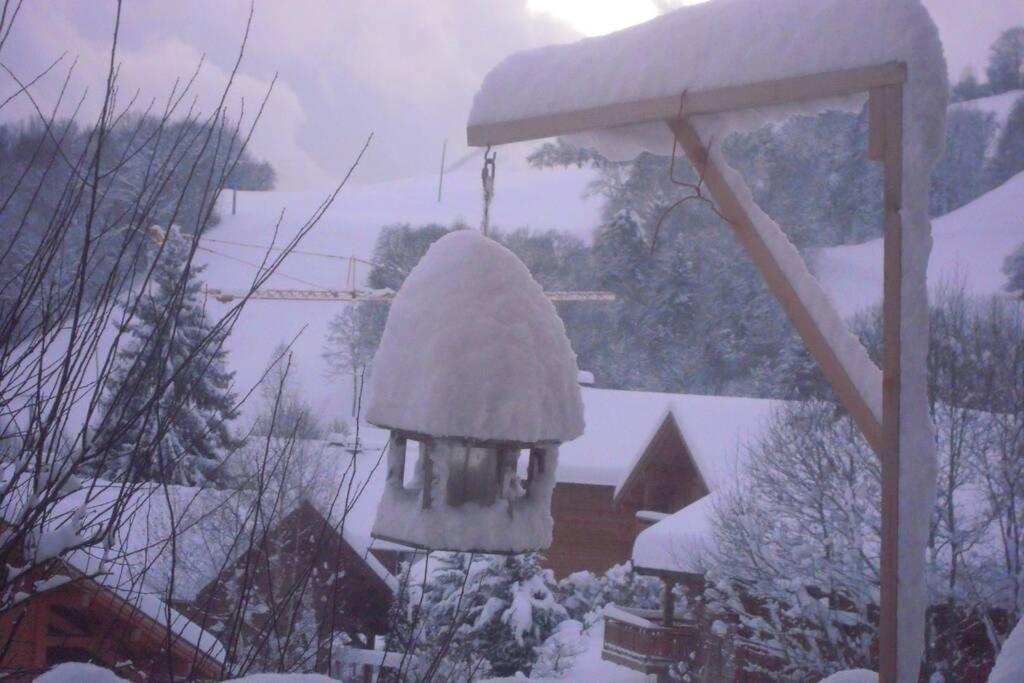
(594, 531)
(590, 531)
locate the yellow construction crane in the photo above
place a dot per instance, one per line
(351, 292)
(347, 295)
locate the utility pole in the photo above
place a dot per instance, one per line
(440, 177)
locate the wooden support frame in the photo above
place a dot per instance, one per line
(884, 84)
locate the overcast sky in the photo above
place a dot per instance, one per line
(403, 69)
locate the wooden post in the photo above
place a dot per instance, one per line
(440, 177)
(667, 602)
(534, 467)
(506, 461)
(888, 101)
(396, 461)
(458, 485)
(427, 494)
(40, 631)
(234, 201)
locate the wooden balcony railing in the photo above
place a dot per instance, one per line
(637, 639)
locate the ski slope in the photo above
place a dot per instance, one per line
(969, 246)
(535, 199)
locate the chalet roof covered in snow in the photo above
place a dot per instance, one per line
(203, 522)
(620, 424)
(473, 349)
(678, 542)
(719, 431)
(704, 48)
(137, 565)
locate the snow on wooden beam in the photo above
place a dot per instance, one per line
(783, 91)
(798, 292)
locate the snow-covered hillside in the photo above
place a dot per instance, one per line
(539, 200)
(970, 245)
(997, 105)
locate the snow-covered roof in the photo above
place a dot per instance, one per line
(970, 245)
(719, 431)
(620, 425)
(136, 567)
(713, 45)
(679, 542)
(474, 349)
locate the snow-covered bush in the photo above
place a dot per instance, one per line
(801, 538)
(583, 592)
(559, 652)
(477, 614)
(797, 548)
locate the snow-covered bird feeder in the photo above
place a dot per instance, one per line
(474, 370)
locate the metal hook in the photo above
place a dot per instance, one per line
(487, 174)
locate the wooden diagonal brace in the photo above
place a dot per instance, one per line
(807, 325)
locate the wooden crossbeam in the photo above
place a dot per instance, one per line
(805, 322)
(817, 86)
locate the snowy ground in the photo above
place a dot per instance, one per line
(970, 245)
(589, 666)
(539, 200)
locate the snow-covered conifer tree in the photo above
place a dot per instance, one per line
(1006, 61)
(484, 613)
(1014, 269)
(173, 357)
(1009, 158)
(622, 255)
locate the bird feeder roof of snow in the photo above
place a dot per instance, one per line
(474, 350)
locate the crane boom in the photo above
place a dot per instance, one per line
(346, 295)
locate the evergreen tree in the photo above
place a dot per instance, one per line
(486, 613)
(968, 87)
(1014, 270)
(1006, 61)
(959, 175)
(622, 256)
(172, 357)
(1009, 159)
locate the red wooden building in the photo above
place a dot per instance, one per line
(306, 590)
(86, 621)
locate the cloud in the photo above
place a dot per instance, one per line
(404, 70)
(968, 29)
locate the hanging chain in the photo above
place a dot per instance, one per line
(487, 177)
